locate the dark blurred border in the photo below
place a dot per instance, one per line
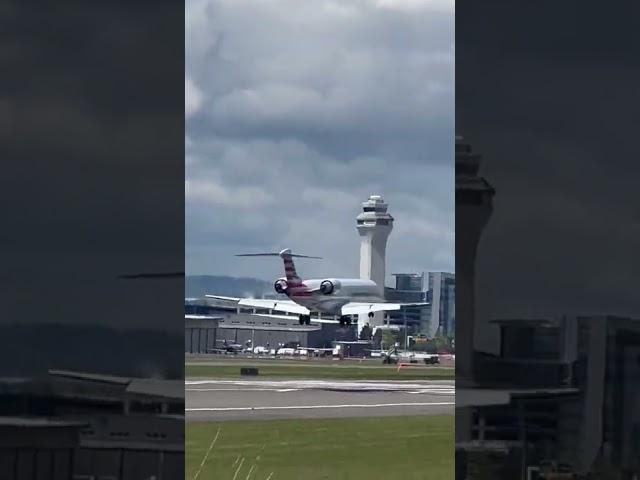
(92, 241)
(547, 228)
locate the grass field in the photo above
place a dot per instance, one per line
(411, 448)
(323, 371)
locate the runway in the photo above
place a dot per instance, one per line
(216, 400)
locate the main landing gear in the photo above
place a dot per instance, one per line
(304, 320)
(345, 320)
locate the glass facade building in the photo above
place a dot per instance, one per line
(442, 297)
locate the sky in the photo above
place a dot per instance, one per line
(553, 115)
(91, 127)
(296, 112)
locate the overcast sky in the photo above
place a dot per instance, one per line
(555, 116)
(92, 182)
(296, 112)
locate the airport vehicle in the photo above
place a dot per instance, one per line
(286, 351)
(394, 356)
(341, 297)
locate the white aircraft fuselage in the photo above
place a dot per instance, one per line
(329, 295)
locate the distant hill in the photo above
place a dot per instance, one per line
(28, 350)
(199, 285)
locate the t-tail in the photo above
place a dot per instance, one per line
(289, 267)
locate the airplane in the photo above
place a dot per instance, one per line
(230, 347)
(341, 297)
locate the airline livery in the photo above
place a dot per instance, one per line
(342, 297)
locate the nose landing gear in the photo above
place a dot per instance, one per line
(304, 320)
(345, 320)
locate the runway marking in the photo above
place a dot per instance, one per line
(241, 389)
(310, 407)
(239, 467)
(270, 475)
(236, 462)
(204, 460)
(283, 386)
(446, 391)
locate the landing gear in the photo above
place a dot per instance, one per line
(370, 315)
(345, 320)
(304, 320)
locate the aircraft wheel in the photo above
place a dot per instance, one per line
(370, 314)
(308, 320)
(301, 320)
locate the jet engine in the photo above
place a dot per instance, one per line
(327, 287)
(281, 285)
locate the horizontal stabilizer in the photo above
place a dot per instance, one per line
(282, 253)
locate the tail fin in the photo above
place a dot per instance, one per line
(289, 268)
(287, 257)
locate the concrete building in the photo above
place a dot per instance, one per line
(474, 205)
(560, 391)
(374, 225)
(71, 425)
(38, 448)
(442, 297)
(576, 406)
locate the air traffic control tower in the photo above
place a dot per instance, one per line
(374, 226)
(474, 205)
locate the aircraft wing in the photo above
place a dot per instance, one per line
(289, 317)
(278, 305)
(355, 308)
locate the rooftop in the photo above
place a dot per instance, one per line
(34, 422)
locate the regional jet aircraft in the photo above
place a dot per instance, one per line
(341, 297)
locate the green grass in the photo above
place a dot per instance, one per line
(336, 372)
(408, 448)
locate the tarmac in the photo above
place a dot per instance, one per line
(248, 399)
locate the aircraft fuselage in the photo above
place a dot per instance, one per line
(309, 293)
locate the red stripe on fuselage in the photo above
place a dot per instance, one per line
(298, 290)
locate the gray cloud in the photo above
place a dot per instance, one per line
(91, 127)
(554, 117)
(297, 111)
